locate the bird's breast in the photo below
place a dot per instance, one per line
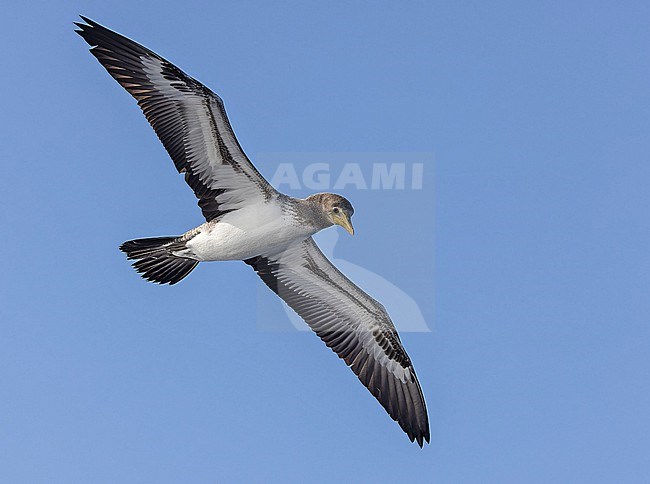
(247, 232)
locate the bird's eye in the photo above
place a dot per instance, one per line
(336, 210)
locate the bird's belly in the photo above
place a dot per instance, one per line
(240, 238)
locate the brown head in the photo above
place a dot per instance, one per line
(335, 208)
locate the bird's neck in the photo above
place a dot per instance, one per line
(309, 211)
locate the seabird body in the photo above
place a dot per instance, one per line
(248, 220)
(248, 232)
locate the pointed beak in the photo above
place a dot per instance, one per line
(344, 221)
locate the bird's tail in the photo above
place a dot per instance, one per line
(155, 261)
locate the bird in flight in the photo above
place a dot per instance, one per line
(248, 220)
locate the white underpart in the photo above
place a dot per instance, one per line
(245, 233)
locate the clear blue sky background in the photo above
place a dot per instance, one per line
(537, 368)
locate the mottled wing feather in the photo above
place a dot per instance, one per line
(189, 119)
(353, 324)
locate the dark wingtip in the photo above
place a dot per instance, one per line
(89, 29)
(90, 22)
(422, 439)
(83, 26)
(84, 29)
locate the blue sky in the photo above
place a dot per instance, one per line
(533, 275)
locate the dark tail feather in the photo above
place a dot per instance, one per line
(154, 259)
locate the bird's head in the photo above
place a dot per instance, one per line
(336, 209)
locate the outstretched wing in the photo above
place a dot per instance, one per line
(353, 324)
(189, 119)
